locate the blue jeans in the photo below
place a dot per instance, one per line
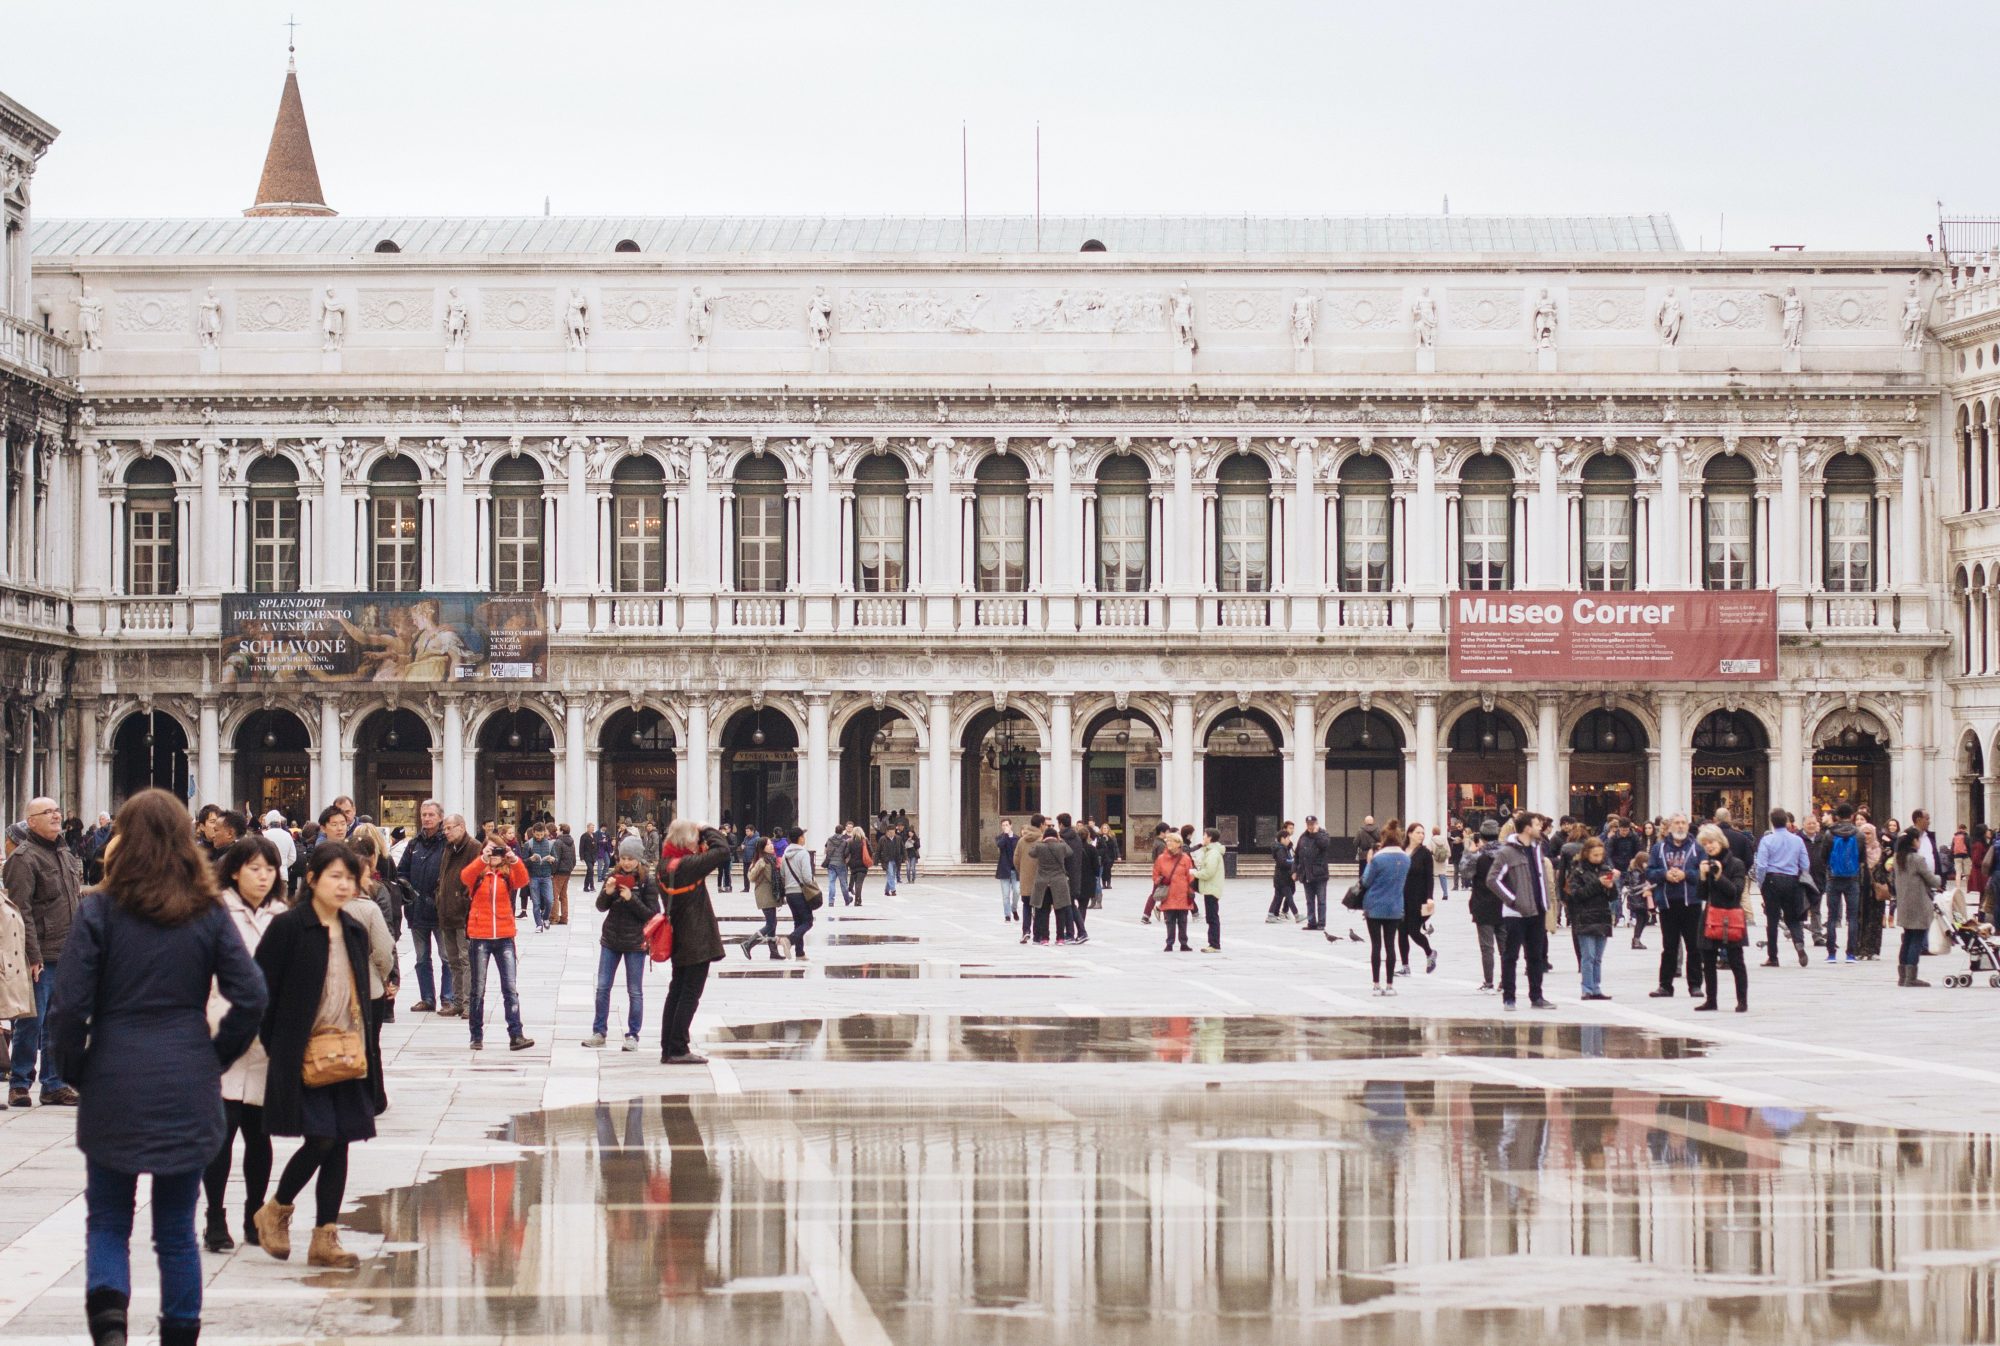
(1010, 895)
(836, 884)
(608, 963)
(893, 872)
(542, 892)
(802, 920)
(1842, 893)
(28, 1038)
(1912, 953)
(501, 951)
(421, 939)
(1590, 953)
(109, 1199)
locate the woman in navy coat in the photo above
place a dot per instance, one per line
(128, 1025)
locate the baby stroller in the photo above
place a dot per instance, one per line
(1981, 945)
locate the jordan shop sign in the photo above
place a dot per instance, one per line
(1662, 636)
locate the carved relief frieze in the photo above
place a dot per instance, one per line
(1484, 310)
(518, 310)
(273, 310)
(151, 311)
(938, 310)
(1728, 310)
(638, 310)
(762, 310)
(1365, 310)
(1091, 310)
(1243, 310)
(396, 310)
(1846, 309)
(1607, 310)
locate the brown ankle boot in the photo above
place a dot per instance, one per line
(327, 1252)
(274, 1229)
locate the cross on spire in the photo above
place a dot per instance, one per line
(291, 41)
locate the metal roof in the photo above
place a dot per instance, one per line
(694, 235)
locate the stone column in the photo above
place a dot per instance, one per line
(335, 569)
(823, 574)
(1059, 569)
(1421, 789)
(1423, 541)
(25, 781)
(1548, 760)
(1548, 534)
(332, 782)
(1669, 559)
(578, 546)
(941, 562)
(1183, 561)
(817, 806)
(1673, 793)
(455, 558)
(574, 807)
(1062, 758)
(1914, 612)
(1913, 792)
(214, 524)
(1302, 789)
(1303, 581)
(89, 802)
(693, 784)
(1790, 529)
(1793, 788)
(698, 582)
(941, 831)
(1180, 803)
(449, 781)
(208, 757)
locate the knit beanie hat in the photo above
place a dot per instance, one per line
(631, 848)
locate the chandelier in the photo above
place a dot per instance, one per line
(1003, 750)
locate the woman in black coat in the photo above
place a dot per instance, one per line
(688, 856)
(1417, 885)
(1719, 886)
(315, 959)
(128, 1025)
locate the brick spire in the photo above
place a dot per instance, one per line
(290, 185)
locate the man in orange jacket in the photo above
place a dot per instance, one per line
(490, 881)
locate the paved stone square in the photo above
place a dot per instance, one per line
(962, 1138)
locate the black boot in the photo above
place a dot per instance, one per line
(250, 1223)
(179, 1333)
(105, 1311)
(215, 1235)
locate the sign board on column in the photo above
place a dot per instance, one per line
(1661, 636)
(384, 638)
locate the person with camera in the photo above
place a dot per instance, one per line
(690, 853)
(490, 882)
(1719, 879)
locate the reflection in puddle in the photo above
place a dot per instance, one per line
(871, 939)
(1364, 1214)
(761, 972)
(871, 971)
(1212, 1040)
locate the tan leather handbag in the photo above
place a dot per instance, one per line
(334, 1055)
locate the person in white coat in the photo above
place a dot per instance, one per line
(281, 837)
(251, 880)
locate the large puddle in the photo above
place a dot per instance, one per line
(1209, 1040)
(1337, 1213)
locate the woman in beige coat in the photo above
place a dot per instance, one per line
(248, 875)
(17, 984)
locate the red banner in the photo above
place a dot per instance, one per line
(1553, 636)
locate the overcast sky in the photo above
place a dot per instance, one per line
(1832, 124)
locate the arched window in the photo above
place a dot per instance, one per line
(395, 526)
(1486, 523)
(1849, 525)
(1243, 525)
(639, 515)
(881, 524)
(760, 525)
(517, 526)
(273, 484)
(625, 245)
(1364, 525)
(1608, 523)
(1729, 523)
(1124, 523)
(1000, 515)
(152, 561)
(388, 245)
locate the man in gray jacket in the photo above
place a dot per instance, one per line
(43, 880)
(1519, 880)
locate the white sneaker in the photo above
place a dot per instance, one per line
(631, 1043)
(594, 1040)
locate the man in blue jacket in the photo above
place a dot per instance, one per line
(1672, 868)
(1781, 868)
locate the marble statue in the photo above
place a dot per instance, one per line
(701, 318)
(1425, 314)
(456, 321)
(332, 321)
(1794, 310)
(576, 320)
(1913, 318)
(1305, 311)
(90, 320)
(819, 319)
(1545, 322)
(1182, 318)
(1667, 318)
(208, 323)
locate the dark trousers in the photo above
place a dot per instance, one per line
(1076, 910)
(1212, 906)
(802, 920)
(248, 1119)
(1911, 954)
(1382, 948)
(323, 1158)
(1412, 932)
(1782, 904)
(1843, 896)
(1315, 904)
(1177, 922)
(1525, 934)
(1732, 954)
(1064, 921)
(1680, 928)
(1281, 900)
(683, 996)
(1491, 940)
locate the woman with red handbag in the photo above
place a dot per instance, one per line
(1725, 927)
(629, 900)
(689, 855)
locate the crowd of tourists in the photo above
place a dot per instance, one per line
(192, 984)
